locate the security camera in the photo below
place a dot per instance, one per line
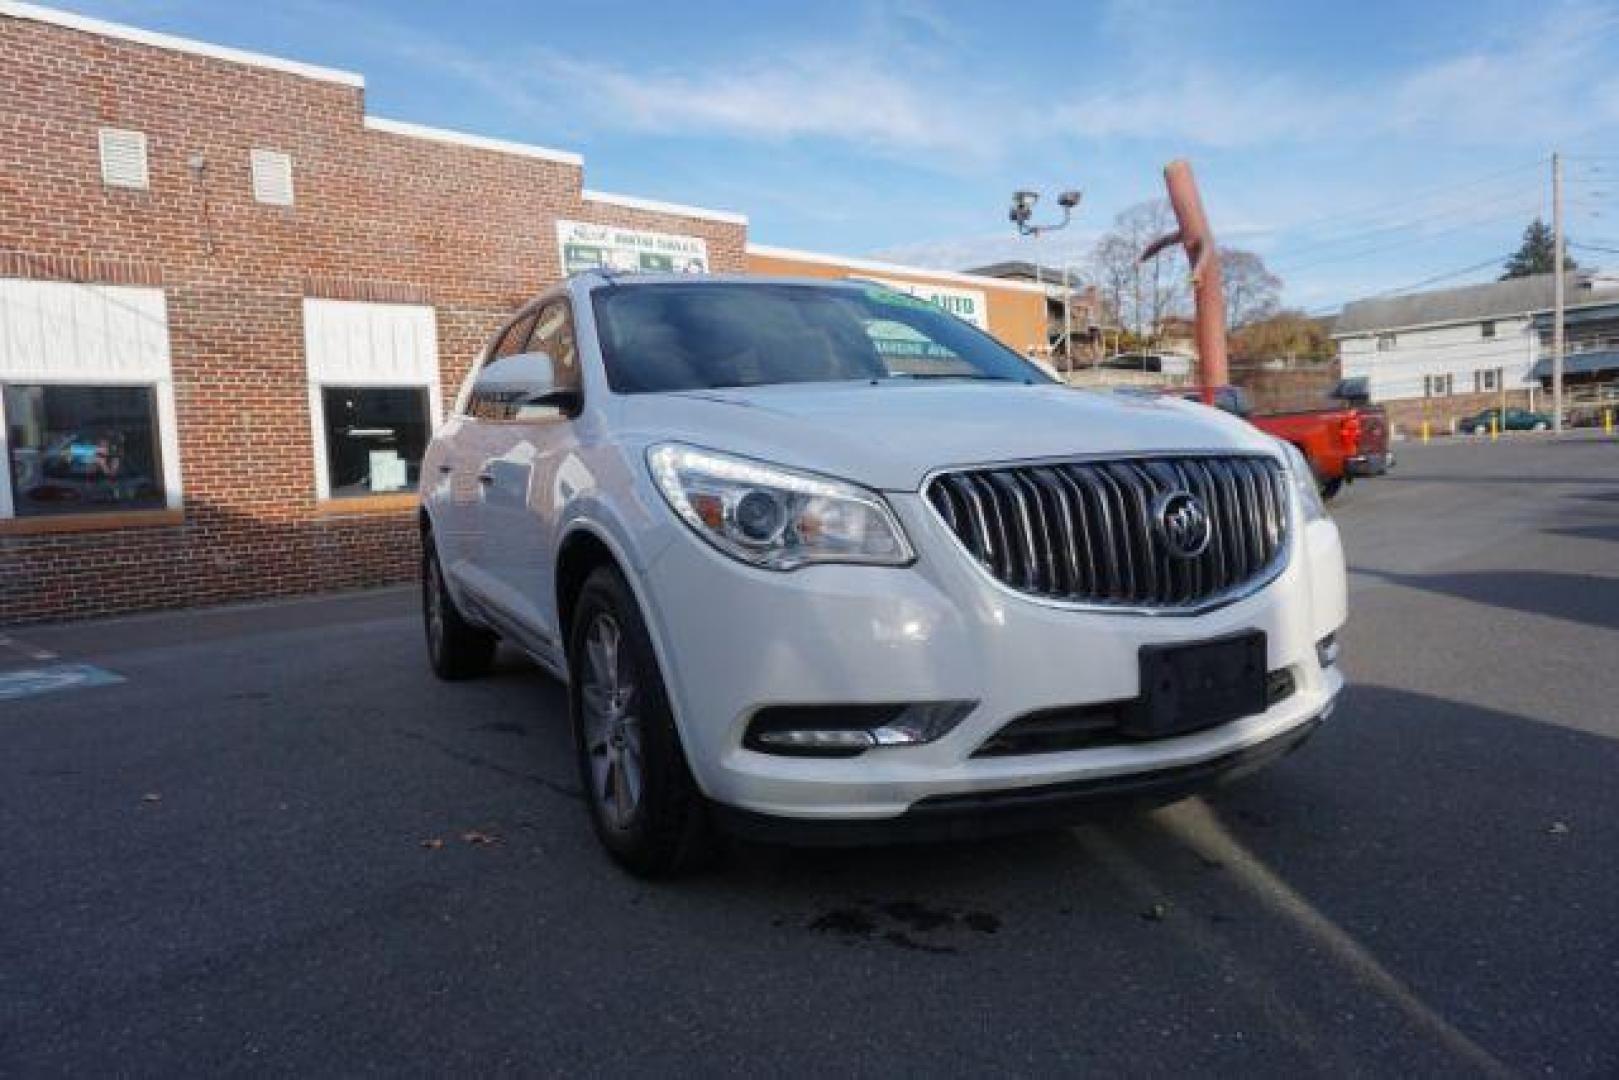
(1068, 200)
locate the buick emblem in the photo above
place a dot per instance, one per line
(1183, 524)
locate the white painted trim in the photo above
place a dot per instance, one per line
(978, 281)
(655, 206)
(477, 142)
(35, 13)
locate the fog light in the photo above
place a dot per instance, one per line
(849, 730)
(1326, 650)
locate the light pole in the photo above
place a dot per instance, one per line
(1021, 215)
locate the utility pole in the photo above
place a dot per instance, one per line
(1020, 214)
(1557, 292)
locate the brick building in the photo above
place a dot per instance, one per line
(233, 307)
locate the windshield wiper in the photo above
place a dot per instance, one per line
(976, 376)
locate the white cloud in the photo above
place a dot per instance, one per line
(808, 93)
(963, 252)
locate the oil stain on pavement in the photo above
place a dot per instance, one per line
(905, 924)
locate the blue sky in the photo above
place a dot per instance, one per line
(1359, 147)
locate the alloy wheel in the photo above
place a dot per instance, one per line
(612, 725)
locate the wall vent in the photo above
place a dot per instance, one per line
(123, 158)
(272, 177)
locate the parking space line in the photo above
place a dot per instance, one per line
(31, 682)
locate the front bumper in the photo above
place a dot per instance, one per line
(1369, 464)
(993, 813)
(733, 640)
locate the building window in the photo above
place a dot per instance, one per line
(1438, 385)
(73, 449)
(375, 438)
(1486, 380)
(123, 158)
(1386, 342)
(373, 394)
(1487, 328)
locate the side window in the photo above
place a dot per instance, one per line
(512, 340)
(515, 339)
(553, 335)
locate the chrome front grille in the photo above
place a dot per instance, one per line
(1088, 532)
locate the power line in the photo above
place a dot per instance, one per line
(1415, 198)
(1434, 280)
(1517, 197)
(1415, 239)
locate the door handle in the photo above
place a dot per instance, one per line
(486, 477)
(445, 469)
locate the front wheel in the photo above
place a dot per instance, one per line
(1331, 488)
(643, 800)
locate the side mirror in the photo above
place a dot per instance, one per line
(509, 388)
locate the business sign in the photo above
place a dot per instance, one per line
(608, 247)
(967, 304)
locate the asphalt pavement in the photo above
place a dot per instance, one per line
(265, 839)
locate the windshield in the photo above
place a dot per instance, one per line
(658, 336)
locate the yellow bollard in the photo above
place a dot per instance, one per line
(1607, 421)
(1495, 427)
(1425, 431)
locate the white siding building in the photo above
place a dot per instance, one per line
(1472, 340)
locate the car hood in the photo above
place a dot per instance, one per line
(890, 436)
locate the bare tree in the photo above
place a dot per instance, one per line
(1252, 292)
(1141, 294)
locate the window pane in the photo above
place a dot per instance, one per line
(375, 437)
(83, 448)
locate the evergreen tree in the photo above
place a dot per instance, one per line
(1536, 254)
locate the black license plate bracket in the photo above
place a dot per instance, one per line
(1190, 686)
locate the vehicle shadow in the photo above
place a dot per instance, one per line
(1584, 598)
(1423, 858)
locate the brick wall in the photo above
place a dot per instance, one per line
(377, 216)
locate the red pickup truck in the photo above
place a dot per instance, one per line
(1342, 442)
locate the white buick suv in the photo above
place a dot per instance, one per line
(822, 563)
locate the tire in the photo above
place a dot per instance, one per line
(1331, 488)
(456, 648)
(1541, 425)
(644, 803)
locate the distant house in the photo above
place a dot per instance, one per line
(1453, 351)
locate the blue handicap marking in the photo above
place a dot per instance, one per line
(28, 682)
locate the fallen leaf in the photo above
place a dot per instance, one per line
(480, 838)
(151, 796)
(1558, 828)
(1157, 913)
(432, 843)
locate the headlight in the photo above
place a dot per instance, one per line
(1304, 487)
(774, 517)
